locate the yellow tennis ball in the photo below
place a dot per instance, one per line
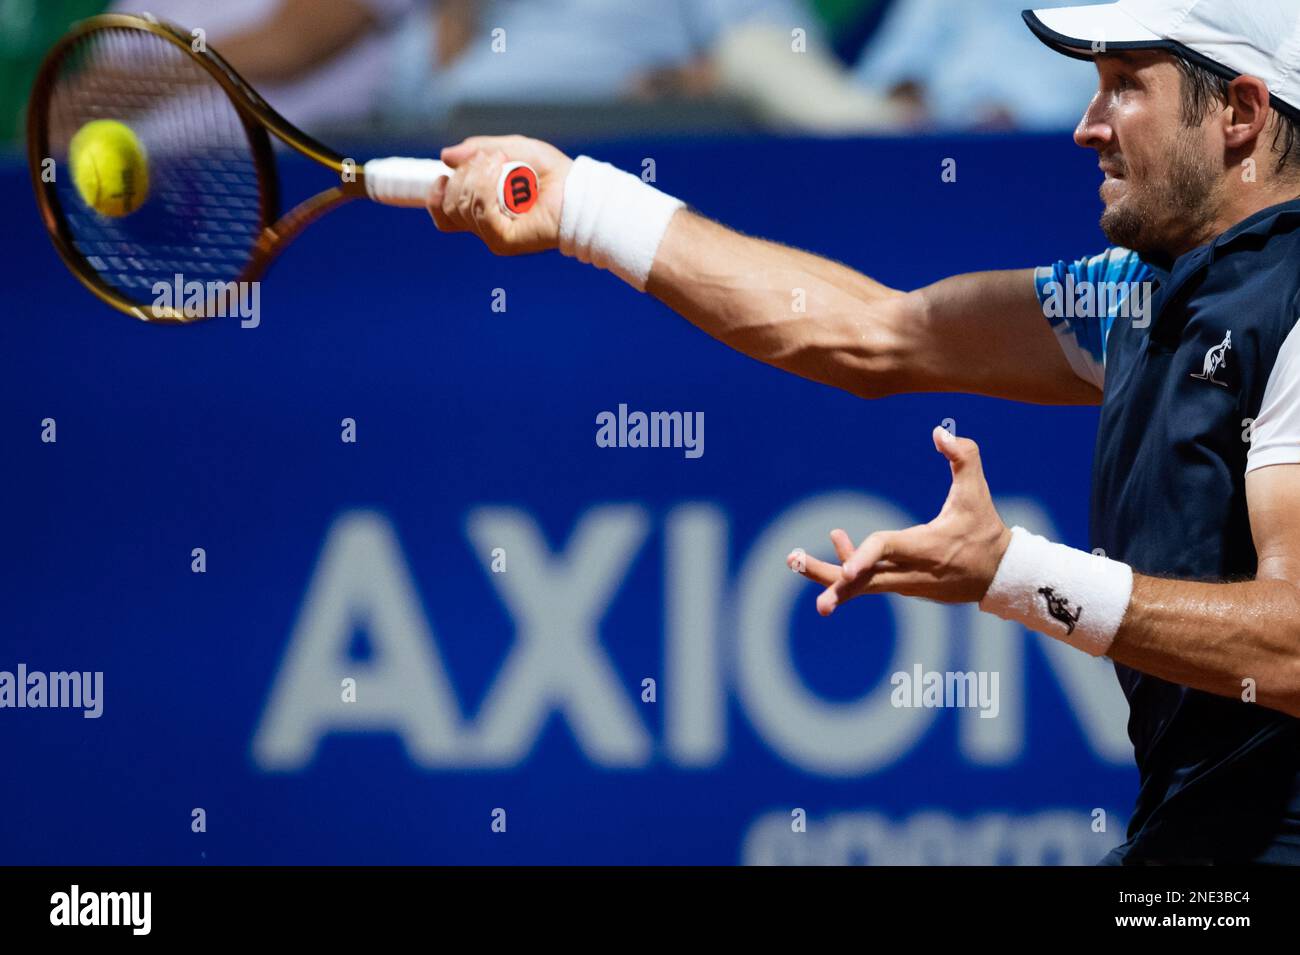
(109, 167)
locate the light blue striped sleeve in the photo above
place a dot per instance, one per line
(1082, 299)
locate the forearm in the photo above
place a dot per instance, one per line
(790, 309)
(979, 333)
(1215, 636)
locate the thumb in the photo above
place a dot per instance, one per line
(963, 455)
(456, 155)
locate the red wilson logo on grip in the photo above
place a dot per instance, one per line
(519, 190)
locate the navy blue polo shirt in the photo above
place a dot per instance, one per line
(1190, 376)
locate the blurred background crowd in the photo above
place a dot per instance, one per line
(441, 68)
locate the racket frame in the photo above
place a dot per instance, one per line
(257, 118)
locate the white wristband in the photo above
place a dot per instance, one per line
(613, 220)
(1073, 596)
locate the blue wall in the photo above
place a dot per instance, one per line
(476, 430)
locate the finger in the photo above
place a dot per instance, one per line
(834, 595)
(837, 592)
(489, 220)
(441, 221)
(819, 571)
(882, 578)
(440, 201)
(471, 175)
(843, 544)
(876, 547)
(464, 150)
(449, 193)
(907, 583)
(459, 192)
(437, 191)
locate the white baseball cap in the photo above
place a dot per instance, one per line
(1228, 37)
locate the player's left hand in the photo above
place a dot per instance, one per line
(951, 559)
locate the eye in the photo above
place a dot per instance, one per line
(1123, 82)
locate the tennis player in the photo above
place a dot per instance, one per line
(1193, 586)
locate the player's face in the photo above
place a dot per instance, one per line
(1162, 177)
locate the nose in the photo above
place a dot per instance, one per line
(1094, 130)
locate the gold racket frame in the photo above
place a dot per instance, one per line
(257, 118)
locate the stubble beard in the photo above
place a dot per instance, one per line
(1170, 212)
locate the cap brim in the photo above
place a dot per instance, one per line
(1083, 32)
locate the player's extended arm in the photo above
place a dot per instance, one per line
(981, 333)
(1217, 636)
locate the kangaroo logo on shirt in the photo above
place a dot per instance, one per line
(1216, 360)
(1059, 608)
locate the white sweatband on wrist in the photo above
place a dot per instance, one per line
(613, 220)
(1071, 595)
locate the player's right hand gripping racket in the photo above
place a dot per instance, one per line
(211, 214)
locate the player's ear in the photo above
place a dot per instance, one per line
(1248, 112)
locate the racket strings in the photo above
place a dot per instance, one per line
(203, 212)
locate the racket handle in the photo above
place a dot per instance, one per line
(406, 182)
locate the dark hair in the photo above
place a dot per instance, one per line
(1203, 90)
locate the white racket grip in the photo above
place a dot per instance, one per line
(399, 181)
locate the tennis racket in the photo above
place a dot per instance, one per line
(212, 211)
